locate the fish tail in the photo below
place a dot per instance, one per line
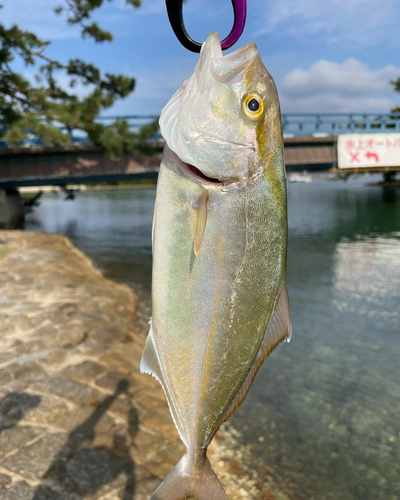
(187, 480)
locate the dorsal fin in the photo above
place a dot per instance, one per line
(279, 329)
(150, 364)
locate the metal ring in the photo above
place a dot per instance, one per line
(175, 16)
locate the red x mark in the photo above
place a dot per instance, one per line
(354, 158)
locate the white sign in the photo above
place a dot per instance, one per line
(368, 150)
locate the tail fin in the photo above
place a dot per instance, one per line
(187, 481)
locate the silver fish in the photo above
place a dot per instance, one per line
(220, 302)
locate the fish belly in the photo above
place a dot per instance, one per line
(210, 312)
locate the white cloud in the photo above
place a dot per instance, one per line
(347, 22)
(332, 87)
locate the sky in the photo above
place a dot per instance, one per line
(325, 56)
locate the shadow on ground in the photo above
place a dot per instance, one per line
(78, 470)
(13, 408)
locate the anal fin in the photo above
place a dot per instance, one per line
(150, 365)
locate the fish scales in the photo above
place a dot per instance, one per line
(219, 256)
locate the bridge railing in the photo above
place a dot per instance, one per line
(339, 123)
(294, 124)
(135, 122)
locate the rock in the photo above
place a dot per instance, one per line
(107, 336)
(32, 461)
(23, 491)
(49, 409)
(38, 345)
(124, 408)
(132, 352)
(85, 371)
(66, 315)
(12, 387)
(146, 445)
(8, 356)
(5, 480)
(160, 421)
(71, 335)
(90, 348)
(164, 459)
(118, 362)
(26, 371)
(37, 255)
(87, 421)
(5, 376)
(19, 491)
(150, 399)
(15, 406)
(96, 471)
(112, 379)
(145, 488)
(47, 330)
(46, 492)
(55, 357)
(69, 389)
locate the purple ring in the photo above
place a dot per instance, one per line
(240, 10)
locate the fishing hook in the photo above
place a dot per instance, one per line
(175, 16)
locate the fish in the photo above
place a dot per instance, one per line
(219, 297)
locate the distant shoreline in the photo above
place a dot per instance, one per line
(84, 187)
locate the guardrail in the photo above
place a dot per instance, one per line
(323, 124)
(294, 125)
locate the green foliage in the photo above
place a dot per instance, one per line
(117, 138)
(79, 12)
(396, 84)
(27, 107)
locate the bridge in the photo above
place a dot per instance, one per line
(310, 143)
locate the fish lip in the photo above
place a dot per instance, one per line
(199, 174)
(195, 173)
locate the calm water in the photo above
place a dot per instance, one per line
(323, 416)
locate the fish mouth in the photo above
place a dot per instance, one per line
(198, 173)
(195, 173)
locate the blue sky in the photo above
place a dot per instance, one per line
(325, 56)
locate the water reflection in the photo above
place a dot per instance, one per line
(323, 410)
(322, 416)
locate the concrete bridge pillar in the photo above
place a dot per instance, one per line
(11, 209)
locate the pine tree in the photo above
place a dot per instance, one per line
(396, 84)
(37, 108)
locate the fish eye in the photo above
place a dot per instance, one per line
(253, 105)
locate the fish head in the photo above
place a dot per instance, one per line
(225, 119)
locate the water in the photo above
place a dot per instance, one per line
(323, 416)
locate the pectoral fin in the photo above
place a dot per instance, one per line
(201, 222)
